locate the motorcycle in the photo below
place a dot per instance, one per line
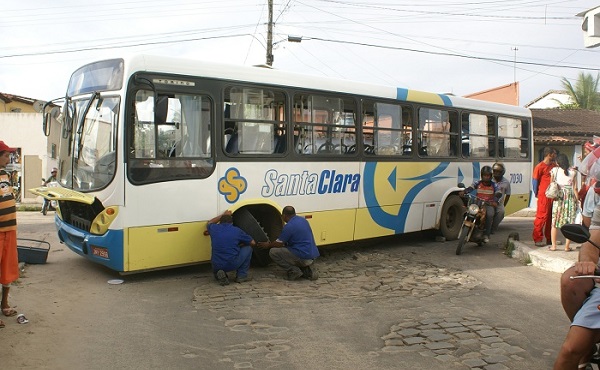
(50, 205)
(472, 229)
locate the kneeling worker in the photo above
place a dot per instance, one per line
(295, 249)
(231, 249)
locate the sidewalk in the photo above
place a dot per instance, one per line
(541, 257)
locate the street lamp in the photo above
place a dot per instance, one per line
(270, 56)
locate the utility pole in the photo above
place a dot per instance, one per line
(515, 63)
(270, 35)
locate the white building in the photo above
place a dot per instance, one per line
(549, 100)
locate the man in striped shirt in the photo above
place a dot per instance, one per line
(9, 260)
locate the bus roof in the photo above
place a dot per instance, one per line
(267, 75)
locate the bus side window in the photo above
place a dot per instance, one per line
(253, 117)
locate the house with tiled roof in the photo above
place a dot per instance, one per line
(566, 130)
(551, 99)
(564, 127)
(16, 104)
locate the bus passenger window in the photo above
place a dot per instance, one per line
(477, 136)
(513, 140)
(326, 125)
(253, 116)
(387, 129)
(438, 130)
(172, 144)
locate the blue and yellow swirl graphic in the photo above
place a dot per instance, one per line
(383, 187)
(232, 185)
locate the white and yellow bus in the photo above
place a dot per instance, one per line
(153, 147)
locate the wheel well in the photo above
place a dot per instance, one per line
(268, 217)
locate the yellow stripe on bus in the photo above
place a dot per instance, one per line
(166, 245)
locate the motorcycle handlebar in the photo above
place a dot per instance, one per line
(473, 196)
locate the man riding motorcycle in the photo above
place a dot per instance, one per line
(503, 185)
(486, 190)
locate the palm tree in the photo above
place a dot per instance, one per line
(585, 92)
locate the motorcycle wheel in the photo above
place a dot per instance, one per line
(462, 239)
(44, 209)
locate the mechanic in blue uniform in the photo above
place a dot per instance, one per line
(295, 249)
(231, 248)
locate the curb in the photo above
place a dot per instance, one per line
(537, 258)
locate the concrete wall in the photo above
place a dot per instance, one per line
(24, 130)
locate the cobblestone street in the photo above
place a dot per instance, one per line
(365, 278)
(400, 303)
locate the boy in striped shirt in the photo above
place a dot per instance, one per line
(9, 260)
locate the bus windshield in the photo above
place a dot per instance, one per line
(106, 75)
(88, 145)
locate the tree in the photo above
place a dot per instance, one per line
(585, 93)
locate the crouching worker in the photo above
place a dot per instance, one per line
(231, 249)
(295, 249)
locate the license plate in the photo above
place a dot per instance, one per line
(100, 252)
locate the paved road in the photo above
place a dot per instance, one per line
(400, 303)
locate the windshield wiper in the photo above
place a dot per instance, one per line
(81, 122)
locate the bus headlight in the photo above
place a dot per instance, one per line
(103, 220)
(473, 209)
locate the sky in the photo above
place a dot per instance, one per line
(441, 46)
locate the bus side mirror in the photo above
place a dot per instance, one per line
(47, 122)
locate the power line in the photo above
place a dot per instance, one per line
(450, 54)
(500, 60)
(122, 46)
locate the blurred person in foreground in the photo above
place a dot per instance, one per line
(580, 342)
(9, 260)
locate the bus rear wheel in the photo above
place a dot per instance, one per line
(452, 217)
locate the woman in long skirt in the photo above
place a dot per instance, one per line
(565, 206)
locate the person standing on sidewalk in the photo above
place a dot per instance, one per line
(564, 208)
(231, 249)
(295, 249)
(542, 225)
(9, 259)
